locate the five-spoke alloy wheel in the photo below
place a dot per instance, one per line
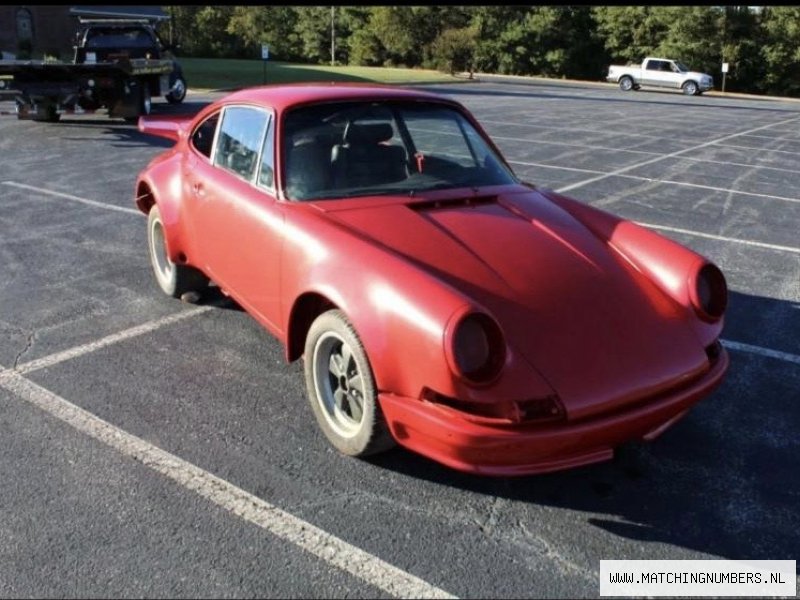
(341, 387)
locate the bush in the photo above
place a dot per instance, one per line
(454, 50)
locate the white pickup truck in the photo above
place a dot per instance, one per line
(660, 72)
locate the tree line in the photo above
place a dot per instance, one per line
(760, 44)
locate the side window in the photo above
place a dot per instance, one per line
(239, 140)
(203, 136)
(266, 172)
(653, 65)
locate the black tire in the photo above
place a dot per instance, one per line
(48, 115)
(626, 83)
(145, 100)
(341, 387)
(145, 103)
(174, 280)
(690, 88)
(179, 91)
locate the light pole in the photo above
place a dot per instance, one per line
(333, 35)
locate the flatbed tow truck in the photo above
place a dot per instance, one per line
(120, 65)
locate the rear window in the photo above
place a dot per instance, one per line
(119, 37)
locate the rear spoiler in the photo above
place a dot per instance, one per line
(166, 126)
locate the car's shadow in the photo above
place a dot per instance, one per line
(723, 481)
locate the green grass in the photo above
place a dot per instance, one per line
(214, 74)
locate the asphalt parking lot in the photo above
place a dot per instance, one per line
(157, 448)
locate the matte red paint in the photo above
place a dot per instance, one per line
(596, 311)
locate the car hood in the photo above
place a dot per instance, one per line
(600, 333)
(696, 75)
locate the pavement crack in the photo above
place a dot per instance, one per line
(28, 344)
(565, 565)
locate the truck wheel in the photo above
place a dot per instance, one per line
(626, 84)
(690, 88)
(146, 104)
(178, 92)
(47, 115)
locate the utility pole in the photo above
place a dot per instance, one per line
(333, 35)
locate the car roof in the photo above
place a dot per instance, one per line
(285, 96)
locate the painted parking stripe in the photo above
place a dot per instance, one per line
(722, 238)
(739, 346)
(544, 166)
(672, 154)
(710, 187)
(86, 201)
(682, 158)
(572, 145)
(121, 336)
(331, 549)
(760, 149)
(660, 181)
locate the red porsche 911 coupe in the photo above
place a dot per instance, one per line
(439, 302)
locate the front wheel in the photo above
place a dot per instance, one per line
(626, 84)
(341, 387)
(174, 280)
(690, 88)
(178, 92)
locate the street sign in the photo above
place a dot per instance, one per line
(724, 67)
(264, 52)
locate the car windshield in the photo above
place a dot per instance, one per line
(350, 149)
(682, 67)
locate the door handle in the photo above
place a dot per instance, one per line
(198, 189)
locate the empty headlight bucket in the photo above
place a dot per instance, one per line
(709, 294)
(477, 348)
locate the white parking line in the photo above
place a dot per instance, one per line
(710, 187)
(121, 336)
(581, 129)
(664, 181)
(722, 238)
(670, 155)
(785, 356)
(686, 158)
(331, 549)
(94, 203)
(782, 138)
(571, 145)
(533, 164)
(759, 149)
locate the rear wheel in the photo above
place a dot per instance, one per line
(174, 280)
(145, 103)
(626, 83)
(341, 387)
(178, 92)
(46, 114)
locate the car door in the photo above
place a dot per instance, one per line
(235, 218)
(650, 72)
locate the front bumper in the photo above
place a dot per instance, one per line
(444, 436)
